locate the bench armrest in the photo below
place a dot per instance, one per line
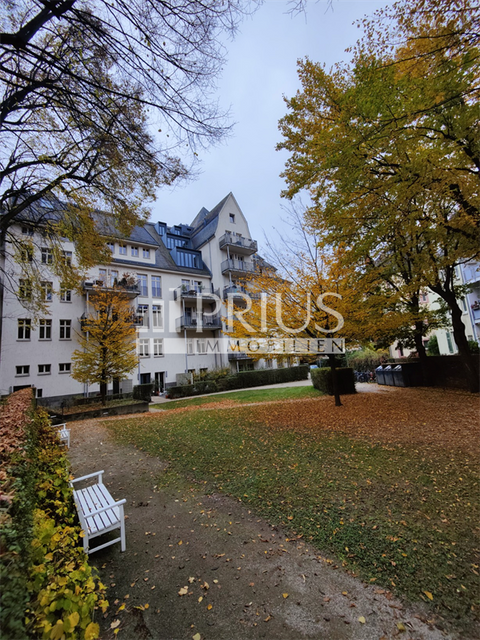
(102, 509)
(59, 426)
(90, 475)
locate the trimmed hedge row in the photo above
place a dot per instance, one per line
(322, 380)
(143, 391)
(242, 380)
(49, 591)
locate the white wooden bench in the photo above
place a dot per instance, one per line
(98, 512)
(63, 434)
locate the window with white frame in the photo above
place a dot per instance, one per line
(142, 312)
(157, 316)
(44, 369)
(22, 370)
(111, 246)
(65, 295)
(122, 249)
(201, 345)
(44, 329)
(47, 255)
(24, 289)
(143, 347)
(158, 347)
(65, 329)
(67, 257)
(156, 286)
(26, 253)
(24, 328)
(102, 276)
(64, 367)
(47, 291)
(134, 251)
(28, 231)
(231, 217)
(146, 254)
(142, 284)
(190, 346)
(113, 277)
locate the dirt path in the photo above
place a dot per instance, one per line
(242, 578)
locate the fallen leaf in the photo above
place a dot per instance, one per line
(191, 579)
(362, 619)
(115, 624)
(401, 627)
(200, 598)
(268, 618)
(285, 595)
(428, 594)
(121, 607)
(183, 591)
(197, 636)
(210, 606)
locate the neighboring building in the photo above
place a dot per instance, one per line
(175, 268)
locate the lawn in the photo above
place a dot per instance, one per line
(244, 396)
(388, 482)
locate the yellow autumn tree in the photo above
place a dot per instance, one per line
(107, 342)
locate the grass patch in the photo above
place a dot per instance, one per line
(247, 395)
(404, 516)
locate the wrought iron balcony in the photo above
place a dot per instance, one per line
(191, 292)
(130, 290)
(203, 322)
(238, 294)
(233, 356)
(238, 243)
(238, 267)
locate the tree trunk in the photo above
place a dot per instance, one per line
(103, 392)
(422, 352)
(336, 392)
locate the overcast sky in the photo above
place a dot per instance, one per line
(260, 70)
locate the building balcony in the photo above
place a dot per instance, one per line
(238, 294)
(192, 292)
(241, 245)
(130, 290)
(204, 322)
(476, 315)
(237, 267)
(234, 356)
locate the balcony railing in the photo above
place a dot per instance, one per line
(233, 356)
(239, 293)
(132, 290)
(237, 266)
(186, 292)
(476, 315)
(205, 322)
(238, 243)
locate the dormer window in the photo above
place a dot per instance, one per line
(135, 252)
(111, 246)
(122, 249)
(232, 218)
(146, 254)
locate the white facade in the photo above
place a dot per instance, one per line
(180, 272)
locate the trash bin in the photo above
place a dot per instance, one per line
(388, 374)
(397, 374)
(380, 375)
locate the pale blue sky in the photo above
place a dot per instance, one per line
(260, 70)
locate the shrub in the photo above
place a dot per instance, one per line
(211, 374)
(143, 391)
(367, 359)
(432, 346)
(322, 380)
(473, 346)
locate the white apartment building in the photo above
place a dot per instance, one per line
(184, 275)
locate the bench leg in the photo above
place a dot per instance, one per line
(123, 542)
(85, 542)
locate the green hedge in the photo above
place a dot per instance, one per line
(242, 380)
(48, 589)
(143, 391)
(322, 380)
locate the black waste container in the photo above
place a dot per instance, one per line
(380, 375)
(397, 374)
(388, 373)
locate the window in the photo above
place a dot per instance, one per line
(190, 350)
(65, 329)
(202, 345)
(113, 278)
(27, 231)
(102, 276)
(156, 286)
(67, 257)
(158, 346)
(143, 347)
(64, 367)
(24, 329)
(23, 370)
(142, 312)
(47, 291)
(47, 255)
(111, 246)
(26, 253)
(44, 369)
(122, 249)
(135, 252)
(65, 295)
(45, 329)
(24, 289)
(157, 316)
(146, 254)
(268, 363)
(449, 342)
(142, 284)
(231, 217)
